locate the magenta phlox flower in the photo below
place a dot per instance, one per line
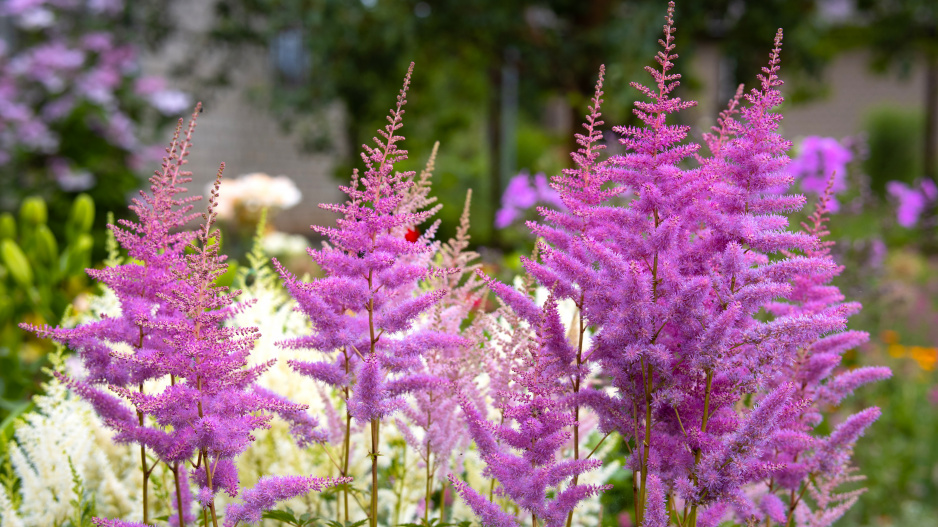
(911, 201)
(63, 63)
(270, 490)
(821, 160)
(520, 195)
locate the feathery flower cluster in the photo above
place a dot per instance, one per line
(172, 326)
(120, 351)
(802, 457)
(671, 282)
(364, 310)
(535, 423)
(681, 317)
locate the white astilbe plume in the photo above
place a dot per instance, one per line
(62, 433)
(8, 514)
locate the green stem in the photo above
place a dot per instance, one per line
(179, 509)
(576, 408)
(697, 452)
(374, 473)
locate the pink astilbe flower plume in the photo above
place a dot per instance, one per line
(173, 328)
(670, 268)
(271, 490)
(365, 311)
(432, 424)
(521, 453)
(799, 454)
(120, 351)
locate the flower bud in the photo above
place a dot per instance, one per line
(16, 263)
(81, 217)
(47, 249)
(78, 253)
(7, 226)
(33, 211)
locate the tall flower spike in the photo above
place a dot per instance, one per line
(798, 452)
(364, 310)
(118, 351)
(210, 407)
(535, 425)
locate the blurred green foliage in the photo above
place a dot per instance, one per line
(40, 275)
(894, 137)
(354, 52)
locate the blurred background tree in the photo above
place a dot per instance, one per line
(490, 73)
(899, 33)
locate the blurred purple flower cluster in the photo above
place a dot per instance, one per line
(520, 195)
(63, 58)
(912, 201)
(820, 159)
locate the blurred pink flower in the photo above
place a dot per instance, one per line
(520, 196)
(819, 158)
(912, 201)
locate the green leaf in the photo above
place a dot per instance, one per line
(281, 516)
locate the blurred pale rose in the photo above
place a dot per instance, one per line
(243, 198)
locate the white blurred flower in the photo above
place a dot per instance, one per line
(170, 102)
(282, 244)
(64, 433)
(250, 193)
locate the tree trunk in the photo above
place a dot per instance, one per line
(495, 148)
(930, 150)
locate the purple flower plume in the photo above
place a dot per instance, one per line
(364, 310)
(912, 201)
(173, 323)
(521, 453)
(490, 515)
(104, 522)
(656, 514)
(271, 490)
(670, 268)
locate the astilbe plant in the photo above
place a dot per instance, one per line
(670, 267)
(364, 310)
(535, 424)
(155, 245)
(174, 313)
(809, 463)
(432, 423)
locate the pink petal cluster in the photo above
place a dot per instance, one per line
(63, 66)
(173, 326)
(670, 266)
